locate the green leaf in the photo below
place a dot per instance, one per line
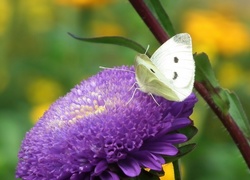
(189, 131)
(163, 17)
(182, 152)
(221, 100)
(205, 75)
(238, 114)
(204, 71)
(115, 40)
(227, 102)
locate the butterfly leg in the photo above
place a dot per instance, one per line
(133, 86)
(132, 95)
(154, 99)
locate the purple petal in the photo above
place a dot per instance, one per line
(130, 167)
(79, 176)
(148, 160)
(159, 158)
(185, 108)
(100, 167)
(173, 138)
(180, 123)
(109, 176)
(161, 148)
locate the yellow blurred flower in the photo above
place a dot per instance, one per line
(230, 75)
(215, 33)
(37, 111)
(39, 14)
(99, 28)
(6, 13)
(42, 90)
(169, 172)
(84, 3)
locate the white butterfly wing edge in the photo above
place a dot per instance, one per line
(174, 59)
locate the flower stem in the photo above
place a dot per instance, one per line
(226, 119)
(177, 174)
(150, 20)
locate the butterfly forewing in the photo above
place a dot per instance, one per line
(175, 60)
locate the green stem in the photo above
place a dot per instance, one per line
(177, 173)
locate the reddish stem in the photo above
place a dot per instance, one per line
(150, 20)
(226, 119)
(228, 122)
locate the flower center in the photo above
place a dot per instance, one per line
(83, 111)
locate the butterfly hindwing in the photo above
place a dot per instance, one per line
(151, 80)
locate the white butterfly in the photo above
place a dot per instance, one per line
(170, 71)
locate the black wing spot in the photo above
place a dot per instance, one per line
(152, 70)
(175, 75)
(176, 60)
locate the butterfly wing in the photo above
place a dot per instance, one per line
(151, 80)
(174, 59)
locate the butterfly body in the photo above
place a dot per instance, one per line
(169, 73)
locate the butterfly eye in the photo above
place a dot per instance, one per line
(152, 70)
(176, 59)
(175, 75)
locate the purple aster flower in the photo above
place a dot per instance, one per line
(92, 133)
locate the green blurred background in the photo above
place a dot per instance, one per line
(39, 62)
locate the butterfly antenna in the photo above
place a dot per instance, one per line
(117, 69)
(132, 96)
(154, 99)
(147, 49)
